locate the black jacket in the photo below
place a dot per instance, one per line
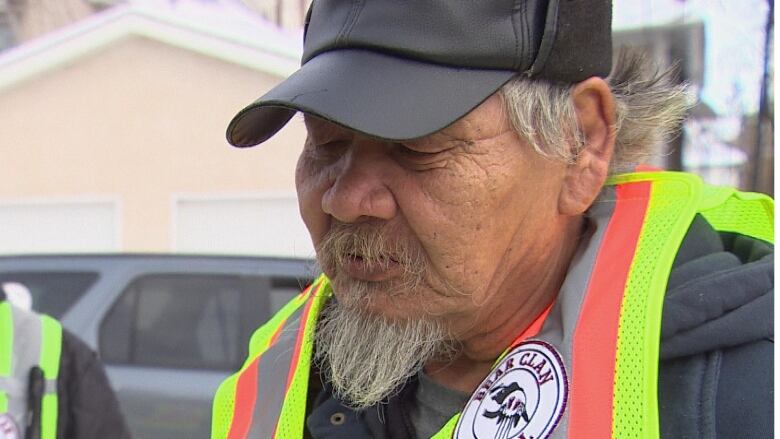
(715, 376)
(717, 338)
(88, 408)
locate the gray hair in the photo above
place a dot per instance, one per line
(649, 107)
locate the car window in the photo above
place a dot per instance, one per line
(192, 321)
(51, 292)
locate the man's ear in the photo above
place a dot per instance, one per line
(594, 106)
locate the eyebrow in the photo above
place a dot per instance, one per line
(309, 120)
(317, 124)
(316, 121)
(322, 127)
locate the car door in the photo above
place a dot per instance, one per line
(171, 339)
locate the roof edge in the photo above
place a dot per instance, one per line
(106, 27)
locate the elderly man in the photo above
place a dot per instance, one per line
(488, 272)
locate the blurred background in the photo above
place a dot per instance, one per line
(113, 112)
(125, 214)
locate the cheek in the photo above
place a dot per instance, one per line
(457, 225)
(310, 185)
(478, 212)
(464, 202)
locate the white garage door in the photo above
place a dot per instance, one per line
(248, 225)
(58, 226)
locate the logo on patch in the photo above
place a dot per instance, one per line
(8, 427)
(524, 396)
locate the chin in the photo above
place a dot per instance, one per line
(381, 298)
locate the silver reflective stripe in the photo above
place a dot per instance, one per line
(12, 386)
(26, 354)
(50, 387)
(558, 328)
(274, 367)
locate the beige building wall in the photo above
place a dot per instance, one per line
(138, 121)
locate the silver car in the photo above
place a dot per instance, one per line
(169, 328)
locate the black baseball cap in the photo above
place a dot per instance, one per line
(403, 69)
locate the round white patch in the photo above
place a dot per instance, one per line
(524, 396)
(8, 427)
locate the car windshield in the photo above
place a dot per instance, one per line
(48, 292)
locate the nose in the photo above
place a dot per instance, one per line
(359, 191)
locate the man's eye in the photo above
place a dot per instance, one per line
(327, 150)
(411, 153)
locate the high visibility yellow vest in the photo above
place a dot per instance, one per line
(602, 335)
(28, 340)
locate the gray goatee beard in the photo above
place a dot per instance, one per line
(379, 249)
(367, 357)
(364, 355)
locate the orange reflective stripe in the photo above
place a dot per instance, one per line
(276, 333)
(247, 386)
(299, 341)
(246, 394)
(293, 369)
(595, 337)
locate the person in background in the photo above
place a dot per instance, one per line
(497, 263)
(52, 385)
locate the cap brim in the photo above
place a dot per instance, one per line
(376, 94)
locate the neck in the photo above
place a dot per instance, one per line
(504, 317)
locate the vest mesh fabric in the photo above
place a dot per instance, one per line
(224, 400)
(668, 216)
(291, 418)
(51, 350)
(6, 348)
(224, 405)
(746, 213)
(292, 421)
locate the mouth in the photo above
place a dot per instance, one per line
(371, 269)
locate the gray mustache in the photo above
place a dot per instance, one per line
(373, 244)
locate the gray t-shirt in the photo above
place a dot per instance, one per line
(433, 405)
